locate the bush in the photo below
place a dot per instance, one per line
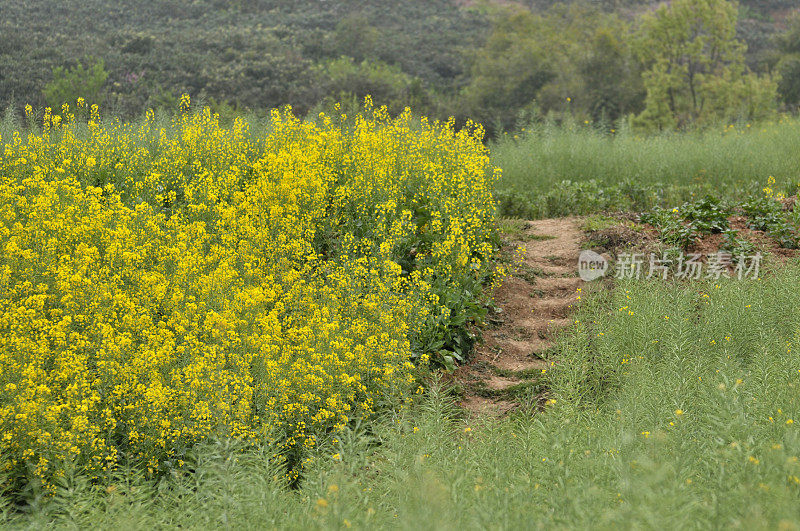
(78, 82)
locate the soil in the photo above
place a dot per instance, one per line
(762, 242)
(535, 304)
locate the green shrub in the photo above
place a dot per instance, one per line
(77, 82)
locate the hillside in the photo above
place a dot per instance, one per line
(259, 54)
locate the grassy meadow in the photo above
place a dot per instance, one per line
(244, 325)
(551, 170)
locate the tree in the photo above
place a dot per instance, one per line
(571, 61)
(788, 67)
(509, 71)
(386, 84)
(597, 73)
(611, 75)
(694, 67)
(356, 37)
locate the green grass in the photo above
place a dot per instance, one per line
(515, 229)
(552, 171)
(676, 415)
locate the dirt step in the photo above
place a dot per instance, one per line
(558, 286)
(530, 363)
(535, 304)
(563, 229)
(554, 307)
(487, 406)
(519, 296)
(560, 260)
(501, 383)
(519, 355)
(543, 327)
(547, 269)
(509, 347)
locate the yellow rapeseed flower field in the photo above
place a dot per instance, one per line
(163, 284)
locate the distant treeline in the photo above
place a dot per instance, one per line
(659, 65)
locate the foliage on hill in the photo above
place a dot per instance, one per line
(257, 54)
(546, 67)
(498, 62)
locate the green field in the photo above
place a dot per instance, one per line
(685, 422)
(554, 171)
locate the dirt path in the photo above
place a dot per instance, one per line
(535, 303)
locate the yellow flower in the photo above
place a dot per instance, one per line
(264, 318)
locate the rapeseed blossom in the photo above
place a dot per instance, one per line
(161, 285)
